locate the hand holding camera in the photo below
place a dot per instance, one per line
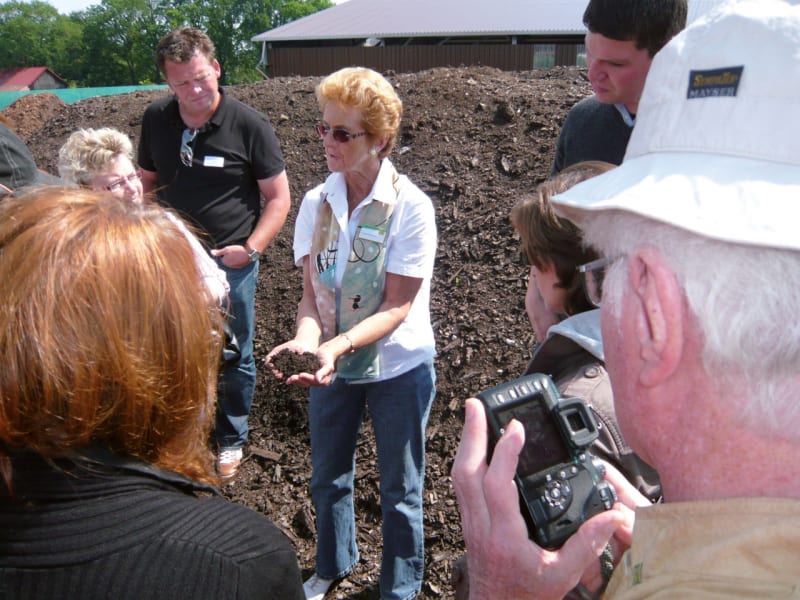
(559, 482)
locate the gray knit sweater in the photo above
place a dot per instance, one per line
(591, 131)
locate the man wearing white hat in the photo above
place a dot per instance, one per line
(699, 227)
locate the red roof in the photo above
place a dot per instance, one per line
(21, 78)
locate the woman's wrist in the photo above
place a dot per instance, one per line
(349, 340)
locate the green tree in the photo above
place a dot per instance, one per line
(232, 23)
(36, 35)
(114, 43)
(68, 51)
(122, 32)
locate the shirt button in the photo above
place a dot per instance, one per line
(592, 372)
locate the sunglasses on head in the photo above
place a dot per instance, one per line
(339, 135)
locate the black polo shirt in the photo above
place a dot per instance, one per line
(219, 192)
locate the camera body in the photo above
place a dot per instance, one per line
(560, 484)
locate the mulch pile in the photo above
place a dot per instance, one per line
(475, 140)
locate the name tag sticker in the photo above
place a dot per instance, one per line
(372, 234)
(714, 83)
(214, 161)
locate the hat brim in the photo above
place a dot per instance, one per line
(722, 197)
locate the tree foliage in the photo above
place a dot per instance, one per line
(113, 42)
(34, 34)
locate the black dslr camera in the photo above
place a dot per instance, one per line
(560, 484)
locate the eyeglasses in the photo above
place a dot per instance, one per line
(339, 135)
(119, 183)
(187, 152)
(592, 276)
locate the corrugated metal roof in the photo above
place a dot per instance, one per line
(434, 18)
(444, 18)
(698, 8)
(20, 78)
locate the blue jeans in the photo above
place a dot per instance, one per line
(237, 381)
(398, 409)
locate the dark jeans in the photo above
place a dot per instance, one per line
(237, 381)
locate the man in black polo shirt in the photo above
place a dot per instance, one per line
(212, 158)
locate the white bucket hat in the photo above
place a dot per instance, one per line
(716, 146)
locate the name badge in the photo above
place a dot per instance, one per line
(372, 234)
(214, 161)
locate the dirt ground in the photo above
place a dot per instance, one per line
(475, 140)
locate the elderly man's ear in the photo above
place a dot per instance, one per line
(659, 313)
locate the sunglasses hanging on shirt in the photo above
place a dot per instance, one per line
(187, 150)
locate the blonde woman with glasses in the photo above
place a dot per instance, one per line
(101, 159)
(366, 241)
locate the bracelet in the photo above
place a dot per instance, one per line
(349, 341)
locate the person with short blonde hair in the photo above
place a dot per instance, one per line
(110, 348)
(88, 153)
(366, 240)
(369, 92)
(102, 159)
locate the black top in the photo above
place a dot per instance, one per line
(82, 529)
(17, 166)
(591, 131)
(219, 192)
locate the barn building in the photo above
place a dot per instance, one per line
(23, 79)
(413, 35)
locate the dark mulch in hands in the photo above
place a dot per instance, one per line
(289, 363)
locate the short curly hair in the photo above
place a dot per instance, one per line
(368, 90)
(90, 152)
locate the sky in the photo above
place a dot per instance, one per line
(66, 7)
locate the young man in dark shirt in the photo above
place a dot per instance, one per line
(623, 38)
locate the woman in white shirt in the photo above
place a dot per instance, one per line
(366, 240)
